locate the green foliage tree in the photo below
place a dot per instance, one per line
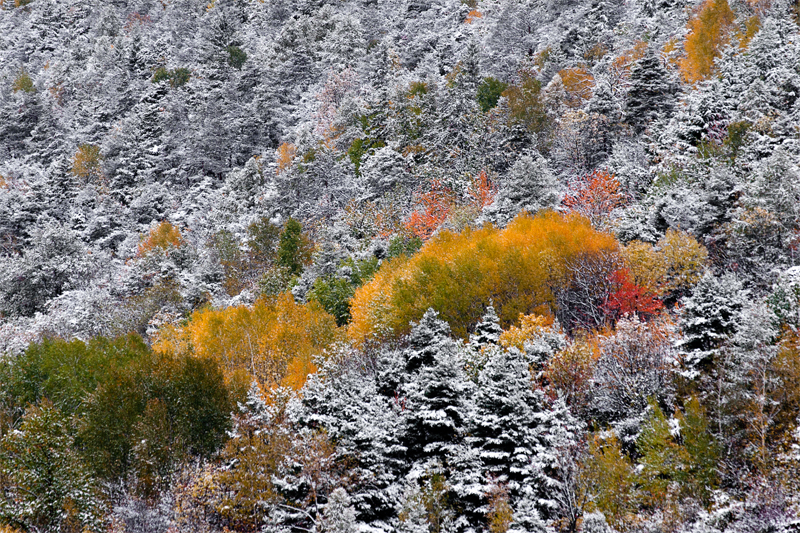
(196, 406)
(49, 488)
(294, 250)
(176, 77)
(64, 372)
(489, 92)
(236, 56)
(677, 463)
(335, 291)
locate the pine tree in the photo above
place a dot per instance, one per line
(529, 186)
(429, 336)
(709, 317)
(438, 402)
(650, 92)
(487, 331)
(339, 516)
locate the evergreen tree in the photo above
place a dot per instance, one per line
(650, 94)
(505, 428)
(438, 402)
(709, 318)
(291, 249)
(529, 186)
(487, 331)
(339, 516)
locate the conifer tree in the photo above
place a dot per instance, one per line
(709, 317)
(529, 186)
(650, 92)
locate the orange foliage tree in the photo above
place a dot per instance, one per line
(709, 31)
(595, 196)
(578, 83)
(163, 236)
(274, 341)
(482, 190)
(519, 268)
(621, 66)
(433, 208)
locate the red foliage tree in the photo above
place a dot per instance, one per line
(433, 208)
(482, 191)
(628, 298)
(595, 196)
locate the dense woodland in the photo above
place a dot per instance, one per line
(406, 266)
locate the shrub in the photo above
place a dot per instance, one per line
(23, 82)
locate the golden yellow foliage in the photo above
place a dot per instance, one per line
(675, 264)
(751, 27)
(578, 83)
(286, 154)
(275, 340)
(163, 236)
(530, 327)
(709, 32)
(517, 268)
(86, 162)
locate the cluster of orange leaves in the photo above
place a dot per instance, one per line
(433, 208)
(578, 84)
(435, 205)
(595, 196)
(621, 66)
(482, 191)
(472, 16)
(163, 236)
(285, 157)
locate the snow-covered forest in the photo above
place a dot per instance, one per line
(347, 266)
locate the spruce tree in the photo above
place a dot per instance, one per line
(709, 317)
(651, 92)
